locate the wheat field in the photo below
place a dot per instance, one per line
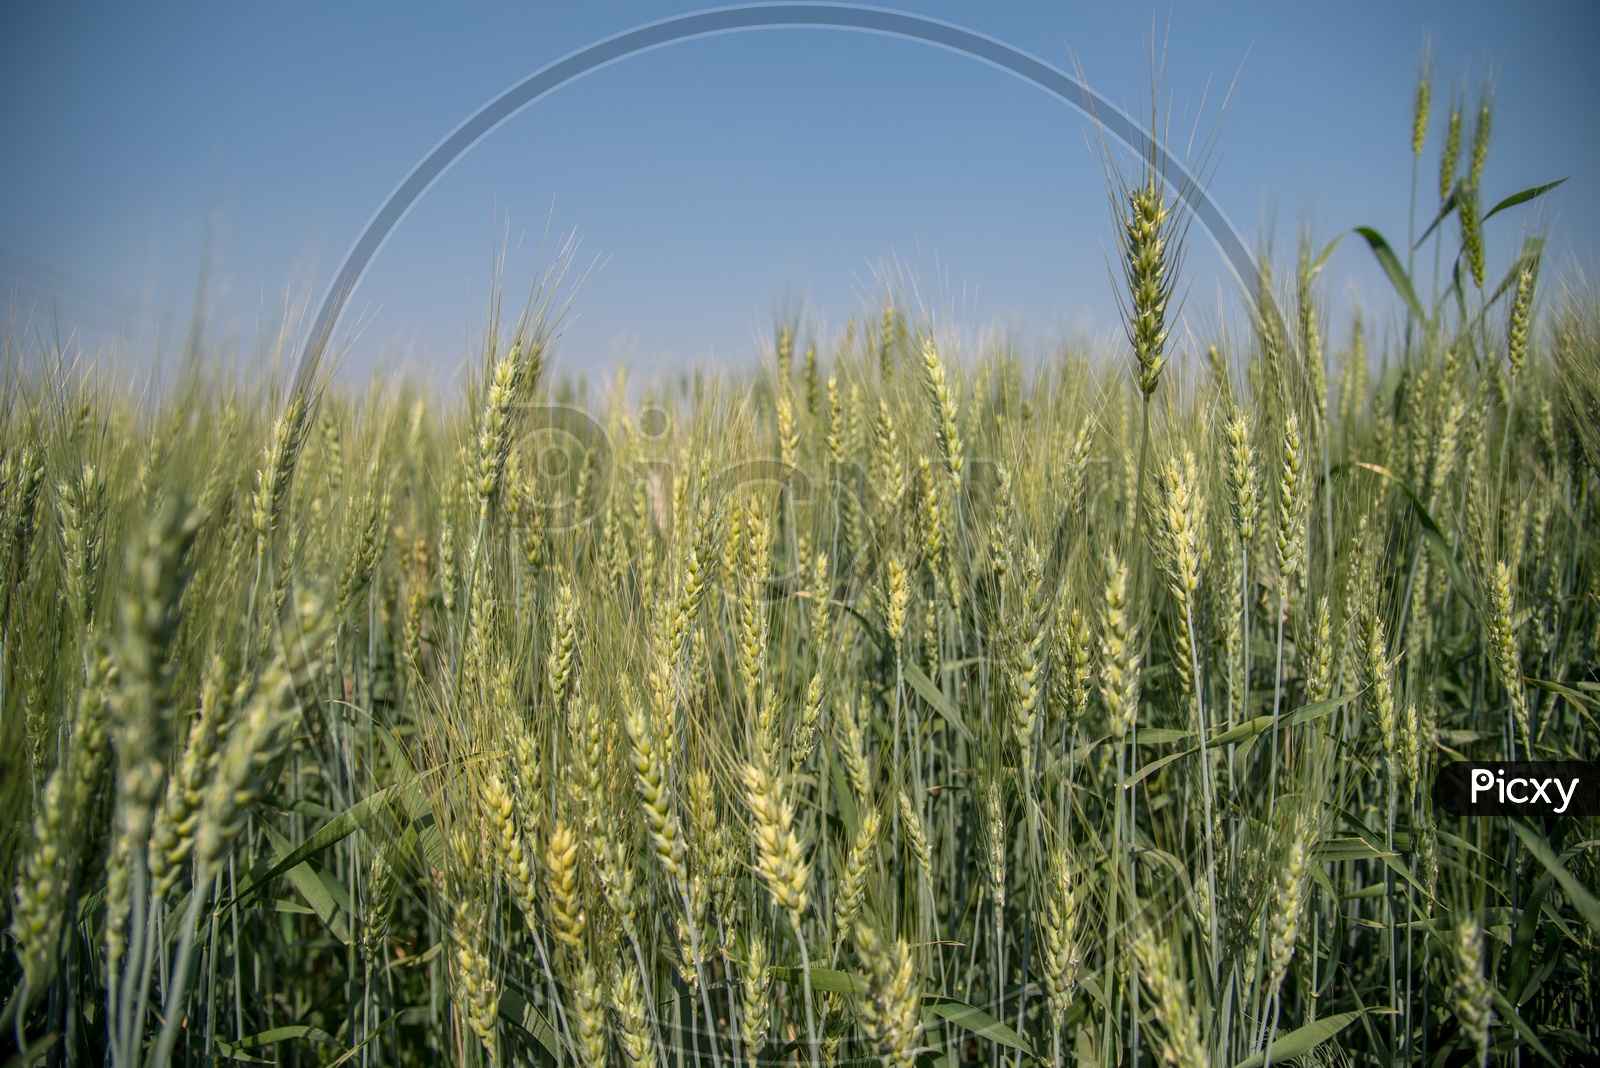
(905, 702)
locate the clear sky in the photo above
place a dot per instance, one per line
(717, 181)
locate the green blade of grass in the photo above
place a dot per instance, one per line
(977, 1021)
(828, 980)
(1527, 927)
(1445, 209)
(359, 1046)
(1303, 1040)
(337, 829)
(1391, 267)
(518, 1010)
(1154, 766)
(311, 886)
(1532, 252)
(1509, 1012)
(1521, 198)
(1580, 896)
(935, 697)
(1435, 538)
(304, 1032)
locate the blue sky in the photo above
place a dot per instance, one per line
(715, 182)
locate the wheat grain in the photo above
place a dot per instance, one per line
(1517, 323)
(890, 1010)
(1420, 108)
(1119, 667)
(633, 1026)
(780, 861)
(946, 428)
(852, 887)
(1504, 644)
(1059, 949)
(1471, 996)
(1180, 1032)
(1450, 152)
(1148, 270)
(916, 835)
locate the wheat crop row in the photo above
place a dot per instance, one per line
(904, 702)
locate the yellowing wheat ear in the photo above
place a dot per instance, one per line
(255, 740)
(1450, 151)
(474, 976)
(1517, 324)
(1292, 497)
(1180, 1032)
(277, 468)
(510, 848)
(851, 745)
(779, 860)
(633, 1026)
(1119, 678)
(891, 1010)
(1380, 683)
(916, 835)
(1181, 560)
(61, 818)
(36, 916)
(172, 836)
(588, 1017)
(655, 797)
(1059, 948)
(564, 649)
(561, 885)
(946, 428)
(853, 884)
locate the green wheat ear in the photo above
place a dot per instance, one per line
(1519, 319)
(1422, 105)
(1119, 679)
(1180, 1031)
(1149, 271)
(1450, 151)
(891, 1010)
(1471, 996)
